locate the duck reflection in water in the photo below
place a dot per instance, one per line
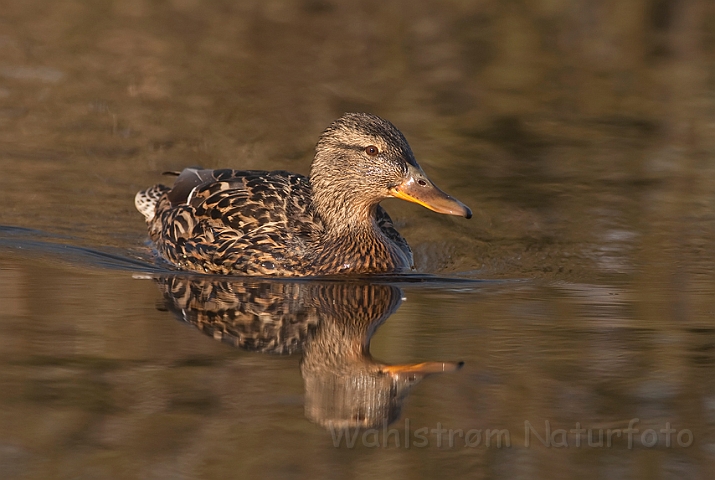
(330, 322)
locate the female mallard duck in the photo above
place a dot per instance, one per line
(279, 223)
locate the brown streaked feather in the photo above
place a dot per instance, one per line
(257, 316)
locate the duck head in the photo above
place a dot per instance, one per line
(362, 159)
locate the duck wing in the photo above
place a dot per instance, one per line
(240, 221)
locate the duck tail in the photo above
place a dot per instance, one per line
(146, 200)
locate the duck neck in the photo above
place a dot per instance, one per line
(345, 209)
(359, 247)
(357, 221)
(352, 242)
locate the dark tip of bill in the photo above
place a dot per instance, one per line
(468, 213)
(460, 365)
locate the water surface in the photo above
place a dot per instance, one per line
(579, 297)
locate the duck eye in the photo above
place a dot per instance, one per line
(371, 150)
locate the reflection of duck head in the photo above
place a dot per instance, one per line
(344, 385)
(332, 322)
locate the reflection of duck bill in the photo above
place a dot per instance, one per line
(422, 369)
(364, 397)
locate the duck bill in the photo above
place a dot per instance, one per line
(422, 369)
(417, 188)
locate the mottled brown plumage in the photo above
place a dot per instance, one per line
(280, 223)
(258, 316)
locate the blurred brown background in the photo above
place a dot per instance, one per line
(581, 133)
